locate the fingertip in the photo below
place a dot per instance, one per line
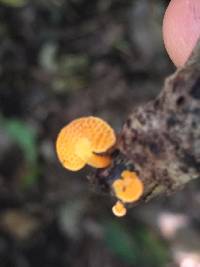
(181, 29)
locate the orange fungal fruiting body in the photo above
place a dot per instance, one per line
(118, 209)
(79, 142)
(129, 187)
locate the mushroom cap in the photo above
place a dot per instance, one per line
(118, 209)
(90, 132)
(129, 188)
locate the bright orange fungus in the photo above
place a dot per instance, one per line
(129, 187)
(118, 209)
(80, 142)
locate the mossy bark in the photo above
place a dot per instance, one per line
(161, 140)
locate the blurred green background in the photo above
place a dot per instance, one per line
(61, 59)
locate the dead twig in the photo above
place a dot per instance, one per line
(161, 140)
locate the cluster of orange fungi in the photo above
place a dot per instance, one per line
(83, 141)
(128, 189)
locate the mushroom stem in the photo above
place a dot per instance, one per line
(99, 161)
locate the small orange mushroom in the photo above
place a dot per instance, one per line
(129, 187)
(80, 142)
(119, 209)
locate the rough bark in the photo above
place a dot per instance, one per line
(161, 140)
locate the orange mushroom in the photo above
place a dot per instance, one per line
(129, 187)
(118, 209)
(80, 142)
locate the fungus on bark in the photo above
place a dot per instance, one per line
(160, 141)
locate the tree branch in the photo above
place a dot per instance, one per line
(161, 140)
